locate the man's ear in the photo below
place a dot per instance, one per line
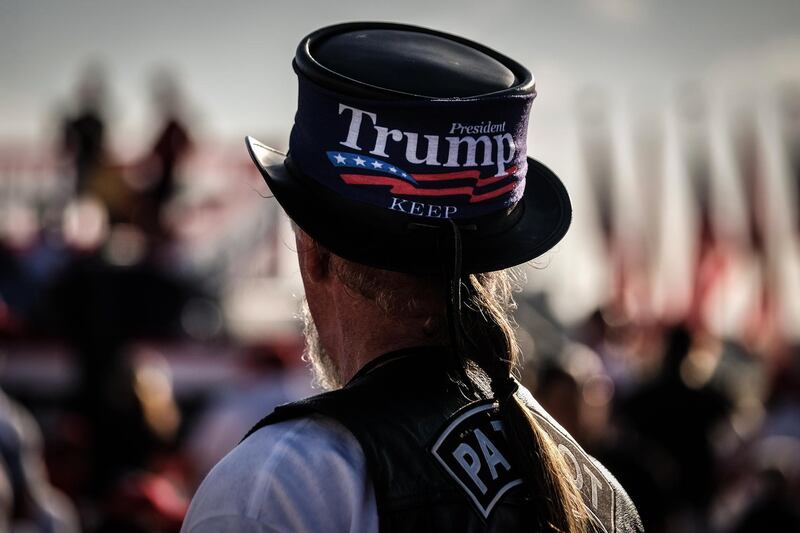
(314, 260)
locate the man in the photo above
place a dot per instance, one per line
(410, 189)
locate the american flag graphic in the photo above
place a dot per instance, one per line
(368, 171)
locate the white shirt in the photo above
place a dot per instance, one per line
(307, 474)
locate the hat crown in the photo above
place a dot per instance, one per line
(412, 62)
(385, 60)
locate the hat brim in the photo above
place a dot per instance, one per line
(385, 239)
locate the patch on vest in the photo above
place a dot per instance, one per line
(474, 451)
(597, 492)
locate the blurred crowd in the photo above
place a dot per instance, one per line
(133, 359)
(127, 385)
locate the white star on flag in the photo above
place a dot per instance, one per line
(377, 164)
(339, 159)
(393, 170)
(358, 161)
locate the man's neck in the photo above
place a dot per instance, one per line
(356, 351)
(365, 332)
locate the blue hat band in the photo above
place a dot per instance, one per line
(429, 158)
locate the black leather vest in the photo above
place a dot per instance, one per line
(436, 454)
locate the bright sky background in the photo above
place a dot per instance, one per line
(234, 56)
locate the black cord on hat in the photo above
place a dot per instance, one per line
(455, 275)
(452, 249)
(504, 386)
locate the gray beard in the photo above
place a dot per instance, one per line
(326, 375)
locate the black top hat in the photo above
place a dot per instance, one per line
(404, 134)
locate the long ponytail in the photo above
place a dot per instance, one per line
(489, 331)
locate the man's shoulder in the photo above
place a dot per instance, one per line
(272, 475)
(308, 438)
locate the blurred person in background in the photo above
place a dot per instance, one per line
(96, 172)
(84, 133)
(580, 388)
(27, 500)
(762, 479)
(158, 172)
(407, 320)
(676, 414)
(107, 297)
